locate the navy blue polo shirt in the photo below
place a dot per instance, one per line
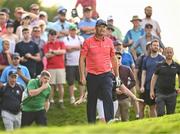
(149, 65)
(166, 77)
(11, 98)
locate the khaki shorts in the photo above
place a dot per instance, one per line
(58, 76)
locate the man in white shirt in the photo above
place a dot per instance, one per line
(156, 28)
(73, 44)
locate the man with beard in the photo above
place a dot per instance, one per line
(149, 65)
(61, 25)
(99, 54)
(156, 28)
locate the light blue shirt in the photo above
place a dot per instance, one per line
(142, 42)
(134, 35)
(85, 23)
(59, 26)
(25, 72)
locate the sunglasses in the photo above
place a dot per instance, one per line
(35, 9)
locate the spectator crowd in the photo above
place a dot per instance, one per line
(38, 57)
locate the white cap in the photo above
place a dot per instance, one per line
(42, 13)
(25, 15)
(110, 17)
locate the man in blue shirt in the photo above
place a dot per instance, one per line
(22, 71)
(134, 34)
(149, 65)
(61, 25)
(87, 25)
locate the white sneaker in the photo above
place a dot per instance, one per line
(51, 101)
(72, 100)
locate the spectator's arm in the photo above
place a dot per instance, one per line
(35, 57)
(35, 92)
(133, 81)
(153, 82)
(143, 78)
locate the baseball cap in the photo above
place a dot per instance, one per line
(10, 24)
(12, 73)
(16, 55)
(52, 32)
(25, 15)
(62, 10)
(73, 27)
(110, 18)
(101, 22)
(42, 13)
(85, 9)
(148, 25)
(117, 43)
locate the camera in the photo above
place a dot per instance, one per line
(18, 68)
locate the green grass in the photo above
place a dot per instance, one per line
(163, 125)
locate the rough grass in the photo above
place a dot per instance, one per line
(73, 120)
(163, 125)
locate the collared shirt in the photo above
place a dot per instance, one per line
(142, 42)
(25, 72)
(98, 54)
(59, 26)
(85, 23)
(72, 57)
(57, 61)
(134, 35)
(11, 98)
(166, 77)
(127, 59)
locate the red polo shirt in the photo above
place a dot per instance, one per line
(98, 54)
(57, 61)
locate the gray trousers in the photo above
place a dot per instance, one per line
(167, 102)
(11, 121)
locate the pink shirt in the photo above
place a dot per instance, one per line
(57, 61)
(98, 54)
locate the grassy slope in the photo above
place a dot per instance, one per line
(162, 125)
(60, 121)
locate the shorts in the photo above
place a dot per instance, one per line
(72, 74)
(146, 97)
(58, 76)
(100, 108)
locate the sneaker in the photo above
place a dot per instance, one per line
(61, 105)
(52, 101)
(72, 100)
(75, 88)
(137, 117)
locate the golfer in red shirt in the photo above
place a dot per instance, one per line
(99, 54)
